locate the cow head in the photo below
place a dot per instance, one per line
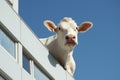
(67, 31)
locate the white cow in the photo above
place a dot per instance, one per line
(62, 44)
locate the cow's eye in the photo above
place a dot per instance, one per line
(76, 28)
(59, 28)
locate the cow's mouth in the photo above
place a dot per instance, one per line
(70, 43)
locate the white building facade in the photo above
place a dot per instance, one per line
(22, 56)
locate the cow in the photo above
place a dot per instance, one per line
(61, 44)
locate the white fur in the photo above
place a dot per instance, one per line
(57, 44)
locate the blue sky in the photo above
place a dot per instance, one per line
(98, 54)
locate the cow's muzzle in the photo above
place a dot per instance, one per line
(70, 40)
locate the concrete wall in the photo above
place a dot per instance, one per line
(27, 39)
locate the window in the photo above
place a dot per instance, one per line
(7, 43)
(1, 78)
(26, 63)
(32, 67)
(39, 75)
(4, 76)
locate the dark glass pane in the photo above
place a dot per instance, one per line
(26, 63)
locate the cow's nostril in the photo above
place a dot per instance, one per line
(74, 37)
(67, 37)
(70, 37)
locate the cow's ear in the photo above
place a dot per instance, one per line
(85, 26)
(50, 25)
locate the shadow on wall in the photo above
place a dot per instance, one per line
(52, 60)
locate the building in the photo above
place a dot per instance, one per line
(22, 56)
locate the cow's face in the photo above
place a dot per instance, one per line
(67, 31)
(67, 34)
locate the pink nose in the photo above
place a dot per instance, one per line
(70, 37)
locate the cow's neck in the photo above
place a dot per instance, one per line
(61, 55)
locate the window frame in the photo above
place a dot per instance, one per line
(33, 62)
(4, 75)
(29, 59)
(41, 70)
(12, 38)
